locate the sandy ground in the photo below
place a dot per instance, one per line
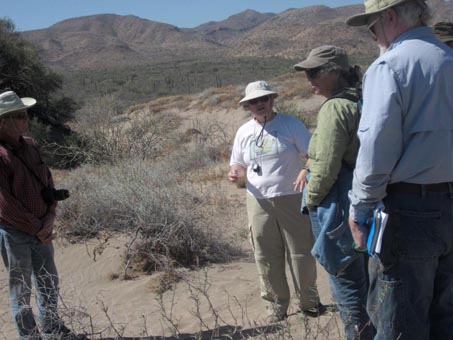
(131, 308)
(225, 296)
(218, 302)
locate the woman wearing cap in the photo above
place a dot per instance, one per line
(268, 148)
(332, 154)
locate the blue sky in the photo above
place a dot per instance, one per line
(35, 14)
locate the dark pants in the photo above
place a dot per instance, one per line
(411, 285)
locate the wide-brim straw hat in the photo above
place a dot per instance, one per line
(10, 102)
(322, 55)
(257, 89)
(373, 7)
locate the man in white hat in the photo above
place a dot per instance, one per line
(27, 214)
(405, 162)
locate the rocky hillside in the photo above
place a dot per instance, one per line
(232, 28)
(294, 32)
(107, 40)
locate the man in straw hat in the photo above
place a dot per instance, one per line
(405, 163)
(27, 214)
(444, 31)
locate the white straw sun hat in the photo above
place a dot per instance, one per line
(257, 89)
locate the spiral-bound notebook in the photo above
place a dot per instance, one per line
(377, 228)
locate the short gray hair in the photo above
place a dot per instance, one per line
(414, 13)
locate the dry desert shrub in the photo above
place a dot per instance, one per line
(168, 218)
(229, 317)
(105, 136)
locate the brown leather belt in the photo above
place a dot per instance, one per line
(420, 188)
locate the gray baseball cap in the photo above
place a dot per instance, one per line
(322, 55)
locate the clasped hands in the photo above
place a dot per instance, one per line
(46, 235)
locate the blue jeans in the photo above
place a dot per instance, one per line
(347, 269)
(333, 245)
(27, 260)
(411, 284)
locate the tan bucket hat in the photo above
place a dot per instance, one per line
(322, 55)
(373, 7)
(444, 31)
(10, 102)
(257, 89)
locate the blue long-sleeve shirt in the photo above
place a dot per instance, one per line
(406, 128)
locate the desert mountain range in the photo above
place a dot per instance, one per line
(108, 40)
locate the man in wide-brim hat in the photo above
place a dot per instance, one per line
(26, 226)
(405, 166)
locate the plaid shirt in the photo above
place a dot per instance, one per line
(21, 203)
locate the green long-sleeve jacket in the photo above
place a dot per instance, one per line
(334, 142)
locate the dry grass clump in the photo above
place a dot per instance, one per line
(109, 137)
(144, 180)
(168, 218)
(143, 137)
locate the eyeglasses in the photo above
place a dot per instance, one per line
(255, 101)
(312, 72)
(370, 27)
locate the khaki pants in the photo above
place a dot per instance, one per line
(279, 230)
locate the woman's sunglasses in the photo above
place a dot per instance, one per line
(255, 101)
(312, 72)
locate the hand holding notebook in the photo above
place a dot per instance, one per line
(377, 227)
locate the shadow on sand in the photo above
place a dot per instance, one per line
(228, 332)
(221, 333)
